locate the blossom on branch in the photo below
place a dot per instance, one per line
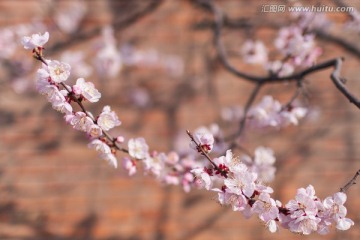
(86, 90)
(108, 119)
(270, 113)
(204, 139)
(35, 41)
(58, 71)
(80, 121)
(138, 148)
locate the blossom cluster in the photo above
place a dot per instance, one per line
(269, 112)
(238, 181)
(295, 43)
(240, 186)
(50, 82)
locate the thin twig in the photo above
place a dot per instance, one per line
(248, 104)
(350, 183)
(203, 152)
(339, 83)
(83, 36)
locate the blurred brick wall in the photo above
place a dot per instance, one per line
(53, 187)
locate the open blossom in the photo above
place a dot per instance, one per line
(267, 209)
(80, 121)
(104, 151)
(301, 47)
(36, 40)
(94, 131)
(266, 113)
(304, 224)
(203, 179)
(233, 164)
(292, 115)
(242, 183)
(63, 107)
(336, 211)
(138, 148)
(87, 90)
(303, 211)
(270, 113)
(237, 202)
(108, 119)
(58, 71)
(204, 138)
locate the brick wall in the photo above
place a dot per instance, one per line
(53, 187)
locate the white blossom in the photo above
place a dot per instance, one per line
(87, 90)
(138, 148)
(36, 40)
(58, 71)
(108, 119)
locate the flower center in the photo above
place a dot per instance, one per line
(58, 71)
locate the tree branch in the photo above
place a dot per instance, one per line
(350, 183)
(80, 37)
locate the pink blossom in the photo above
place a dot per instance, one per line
(172, 158)
(203, 179)
(138, 148)
(36, 40)
(254, 52)
(87, 90)
(241, 183)
(204, 138)
(237, 202)
(303, 211)
(234, 164)
(108, 119)
(129, 165)
(270, 113)
(293, 42)
(266, 113)
(304, 224)
(80, 121)
(94, 131)
(334, 207)
(293, 115)
(266, 207)
(304, 202)
(155, 163)
(186, 181)
(58, 71)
